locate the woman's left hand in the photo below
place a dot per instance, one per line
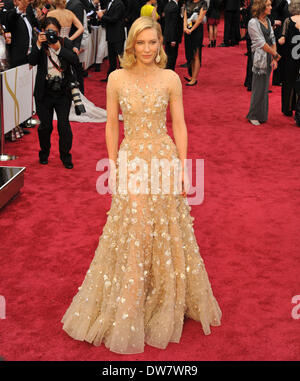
(185, 183)
(274, 65)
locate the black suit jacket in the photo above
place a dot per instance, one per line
(31, 17)
(114, 22)
(39, 57)
(77, 7)
(19, 46)
(132, 11)
(173, 23)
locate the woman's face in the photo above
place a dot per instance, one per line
(268, 8)
(53, 27)
(147, 46)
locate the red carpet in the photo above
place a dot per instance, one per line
(247, 227)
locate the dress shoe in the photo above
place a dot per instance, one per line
(191, 84)
(223, 45)
(43, 161)
(103, 80)
(254, 122)
(68, 165)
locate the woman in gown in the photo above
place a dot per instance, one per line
(147, 273)
(66, 18)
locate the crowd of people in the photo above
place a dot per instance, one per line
(269, 28)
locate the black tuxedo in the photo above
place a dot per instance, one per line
(132, 12)
(172, 32)
(77, 7)
(31, 17)
(48, 100)
(114, 23)
(18, 49)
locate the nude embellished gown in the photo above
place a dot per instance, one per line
(147, 273)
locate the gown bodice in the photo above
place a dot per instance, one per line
(64, 32)
(144, 109)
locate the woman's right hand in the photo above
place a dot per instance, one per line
(41, 38)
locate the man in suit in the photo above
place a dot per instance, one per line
(18, 24)
(173, 32)
(232, 23)
(113, 20)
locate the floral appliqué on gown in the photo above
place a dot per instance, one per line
(147, 273)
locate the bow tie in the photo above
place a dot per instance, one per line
(23, 15)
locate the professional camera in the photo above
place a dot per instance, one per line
(54, 83)
(79, 106)
(51, 36)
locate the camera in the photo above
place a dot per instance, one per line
(51, 36)
(79, 106)
(54, 83)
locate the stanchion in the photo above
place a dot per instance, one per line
(3, 156)
(32, 122)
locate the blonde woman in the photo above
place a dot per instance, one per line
(147, 273)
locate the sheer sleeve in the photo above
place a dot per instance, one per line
(285, 27)
(204, 5)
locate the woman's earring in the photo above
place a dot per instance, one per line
(157, 58)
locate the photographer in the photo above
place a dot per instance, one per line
(54, 57)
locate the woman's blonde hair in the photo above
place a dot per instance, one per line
(258, 7)
(60, 3)
(294, 7)
(128, 59)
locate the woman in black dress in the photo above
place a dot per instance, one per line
(194, 13)
(289, 41)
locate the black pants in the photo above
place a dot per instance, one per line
(232, 27)
(172, 53)
(248, 79)
(61, 103)
(114, 49)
